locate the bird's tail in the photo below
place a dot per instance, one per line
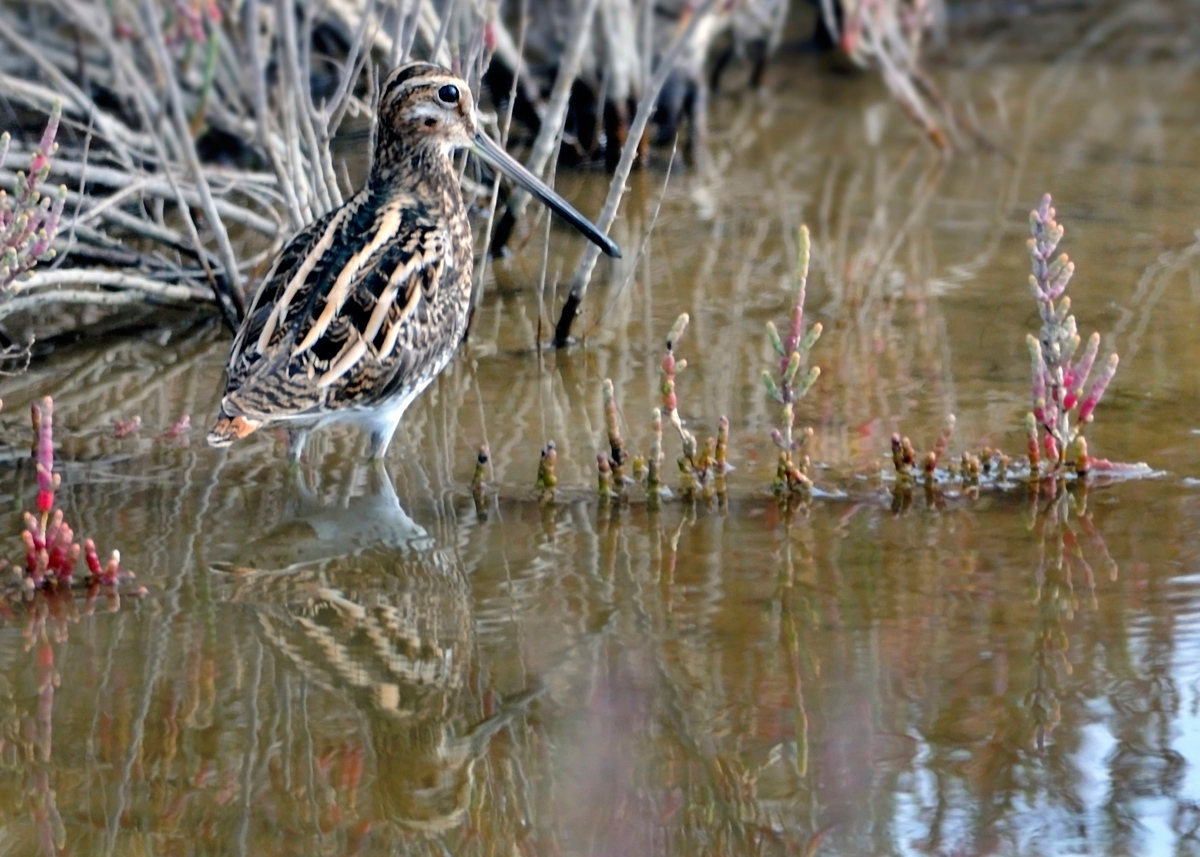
(227, 429)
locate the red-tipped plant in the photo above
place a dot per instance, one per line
(127, 428)
(1059, 380)
(51, 552)
(42, 418)
(792, 472)
(698, 466)
(904, 457)
(178, 430)
(29, 221)
(616, 458)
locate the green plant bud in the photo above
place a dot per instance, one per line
(772, 388)
(773, 337)
(792, 367)
(811, 378)
(677, 330)
(810, 338)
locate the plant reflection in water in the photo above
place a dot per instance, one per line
(353, 712)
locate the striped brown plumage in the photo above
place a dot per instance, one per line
(365, 306)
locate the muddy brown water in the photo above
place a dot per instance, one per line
(338, 663)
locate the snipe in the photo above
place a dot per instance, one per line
(364, 307)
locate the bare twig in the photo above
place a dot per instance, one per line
(544, 145)
(641, 250)
(228, 291)
(137, 183)
(63, 88)
(135, 291)
(616, 188)
(477, 286)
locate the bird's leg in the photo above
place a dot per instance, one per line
(296, 440)
(381, 436)
(379, 481)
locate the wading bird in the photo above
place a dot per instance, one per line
(364, 307)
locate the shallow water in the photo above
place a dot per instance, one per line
(326, 664)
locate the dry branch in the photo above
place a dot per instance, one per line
(196, 137)
(616, 188)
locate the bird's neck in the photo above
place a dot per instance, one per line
(424, 171)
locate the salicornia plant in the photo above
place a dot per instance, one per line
(1058, 380)
(702, 468)
(51, 551)
(29, 221)
(792, 386)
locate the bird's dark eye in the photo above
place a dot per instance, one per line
(448, 94)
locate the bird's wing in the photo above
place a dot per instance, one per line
(336, 309)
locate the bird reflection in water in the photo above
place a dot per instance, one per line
(388, 628)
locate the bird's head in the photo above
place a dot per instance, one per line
(424, 108)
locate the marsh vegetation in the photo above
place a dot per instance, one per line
(440, 655)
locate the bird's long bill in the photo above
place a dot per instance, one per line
(501, 160)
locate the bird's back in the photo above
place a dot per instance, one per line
(365, 305)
